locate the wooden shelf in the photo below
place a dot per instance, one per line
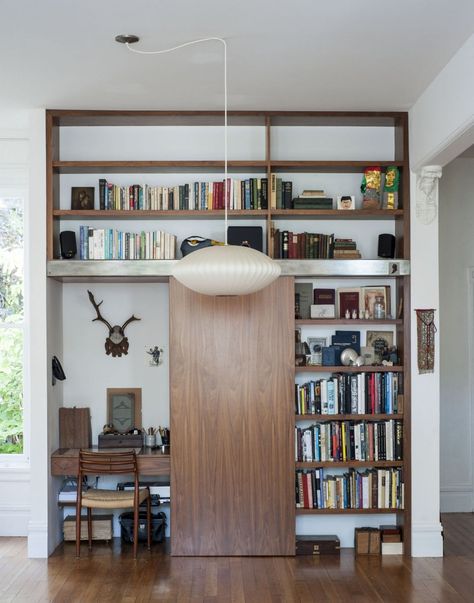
(377, 417)
(124, 167)
(349, 369)
(344, 464)
(346, 321)
(300, 511)
(342, 166)
(103, 214)
(338, 214)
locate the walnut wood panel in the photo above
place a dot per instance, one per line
(65, 461)
(232, 422)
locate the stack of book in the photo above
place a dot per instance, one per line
(346, 249)
(302, 246)
(370, 489)
(312, 199)
(110, 244)
(392, 543)
(251, 193)
(281, 193)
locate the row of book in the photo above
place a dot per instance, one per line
(369, 489)
(342, 441)
(251, 193)
(350, 393)
(110, 244)
(289, 245)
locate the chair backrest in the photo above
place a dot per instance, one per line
(107, 463)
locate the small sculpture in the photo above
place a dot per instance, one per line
(370, 188)
(390, 189)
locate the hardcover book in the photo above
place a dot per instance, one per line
(305, 292)
(349, 300)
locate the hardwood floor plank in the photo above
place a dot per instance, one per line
(109, 574)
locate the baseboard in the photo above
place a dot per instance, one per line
(14, 520)
(457, 501)
(37, 540)
(426, 540)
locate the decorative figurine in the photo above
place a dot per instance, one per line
(354, 314)
(370, 188)
(347, 314)
(390, 189)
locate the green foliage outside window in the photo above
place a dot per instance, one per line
(11, 332)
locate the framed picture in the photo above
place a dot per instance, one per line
(316, 345)
(381, 341)
(124, 408)
(349, 299)
(369, 294)
(346, 202)
(82, 197)
(368, 354)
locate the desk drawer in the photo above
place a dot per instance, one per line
(66, 465)
(154, 465)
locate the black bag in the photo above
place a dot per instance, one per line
(194, 243)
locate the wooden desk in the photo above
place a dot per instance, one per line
(64, 461)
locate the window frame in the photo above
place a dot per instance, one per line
(20, 190)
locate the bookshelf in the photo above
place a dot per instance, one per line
(269, 147)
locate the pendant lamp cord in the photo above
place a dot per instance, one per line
(223, 42)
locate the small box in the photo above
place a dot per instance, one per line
(318, 545)
(392, 548)
(367, 541)
(120, 441)
(323, 311)
(101, 527)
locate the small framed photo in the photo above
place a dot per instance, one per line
(316, 345)
(124, 408)
(381, 341)
(346, 202)
(82, 197)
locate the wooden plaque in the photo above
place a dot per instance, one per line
(75, 428)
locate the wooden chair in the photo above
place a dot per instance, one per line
(110, 463)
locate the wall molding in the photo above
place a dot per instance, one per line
(38, 539)
(14, 519)
(427, 540)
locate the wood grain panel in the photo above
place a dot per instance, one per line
(65, 461)
(232, 422)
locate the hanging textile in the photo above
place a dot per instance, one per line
(426, 340)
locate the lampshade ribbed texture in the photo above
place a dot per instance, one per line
(226, 270)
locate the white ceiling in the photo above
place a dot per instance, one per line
(300, 54)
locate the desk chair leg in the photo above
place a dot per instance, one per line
(148, 522)
(136, 513)
(89, 527)
(78, 531)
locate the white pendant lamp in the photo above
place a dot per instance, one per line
(220, 269)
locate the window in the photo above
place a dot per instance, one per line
(11, 323)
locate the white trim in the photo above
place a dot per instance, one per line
(427, 540)
(37, 539)
(14, 520)
(14, 474)
(451, 147)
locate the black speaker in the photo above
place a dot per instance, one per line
(386, 248)
(67, 241)
(247, 236)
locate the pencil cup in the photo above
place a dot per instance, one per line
(150, 441)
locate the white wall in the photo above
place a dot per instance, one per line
(38, 345)
(90, 371)
(456, 252)
(442, 119)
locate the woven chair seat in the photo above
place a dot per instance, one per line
(112, 499)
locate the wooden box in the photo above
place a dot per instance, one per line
(120, 441)
(318, 545)
(367, 541)
(75, 428)
(101, 527)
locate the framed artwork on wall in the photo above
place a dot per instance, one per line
(124, 408)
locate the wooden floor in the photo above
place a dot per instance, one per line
(109, 575)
